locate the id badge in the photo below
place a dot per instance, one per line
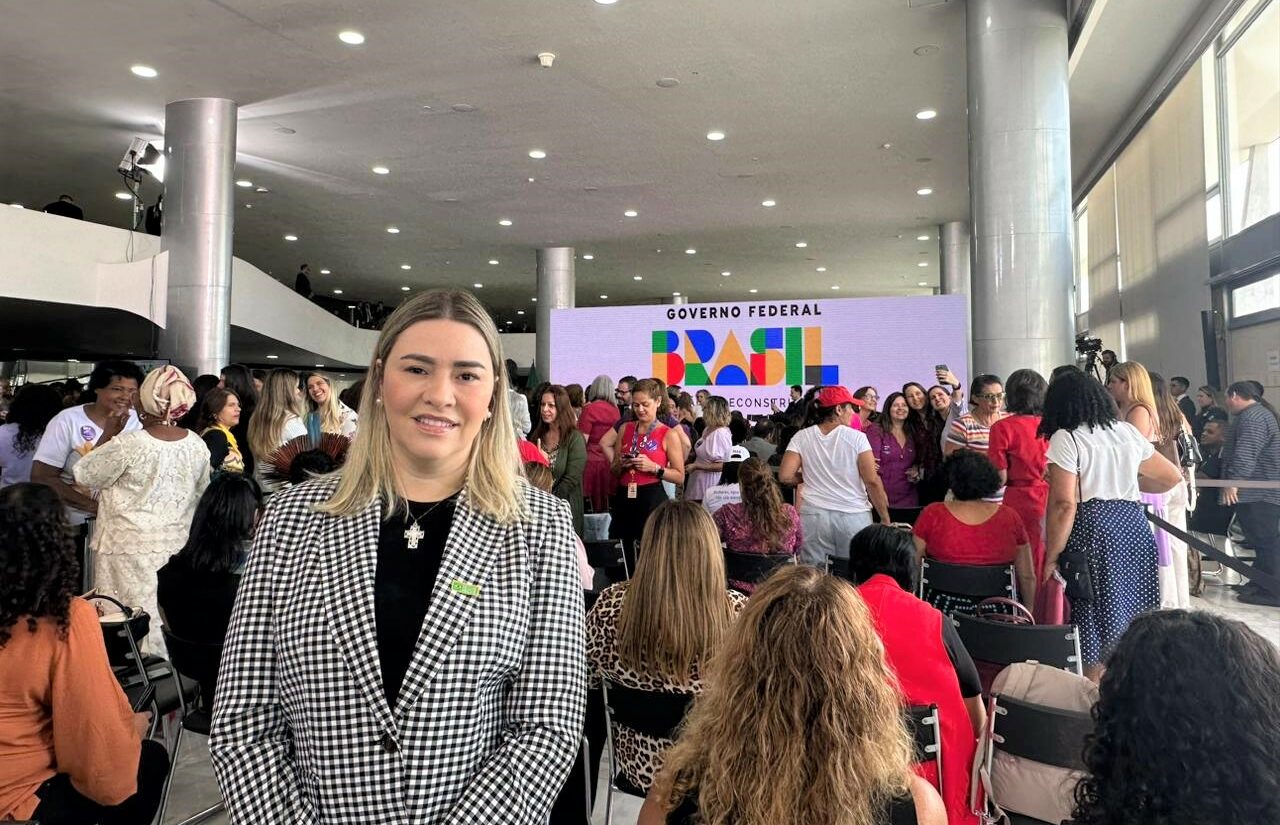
(632, 490)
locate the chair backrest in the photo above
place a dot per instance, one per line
(753, 568)
(1003, 643)
(657, 714)
(838, 566)
(1047, 735)
(604, 553)
(979, 581)
(194, 660)
(904, 515)
(926, 733)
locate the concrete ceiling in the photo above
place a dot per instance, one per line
(807, 95)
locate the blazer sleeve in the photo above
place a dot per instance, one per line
(547, 702)
(250, 742)
(575, 462)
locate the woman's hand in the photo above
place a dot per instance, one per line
(1050, 567)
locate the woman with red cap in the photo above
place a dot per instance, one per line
(838, 469)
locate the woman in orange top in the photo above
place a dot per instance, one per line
(71, 749)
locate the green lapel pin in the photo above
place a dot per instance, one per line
(465, 588)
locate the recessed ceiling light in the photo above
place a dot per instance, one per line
(716, 135)
(463, 107)
(927, 48)
(926, 114)
(493, 262)
(244, 184)
(801, 244)
(922, 237)
(393, 230)
(537, 154)
(73, 360)
(664, 82)
(124, 196)
(922, 283)
(604, 297)
(835, 286)
(143, 71)
(404, 289)
(504, 222)
(535, 300)
(531, 180)
(337, 292)
(886, 146)
(630, 213)
(324, 272)
(406, 266)
(923, 264)
(753, 291)
(725, 274)
(519, 312)
(351, 38)
(691, 251)
(508, 323)
(273, 356)
(676, 294)
(381, 170)
(768, 203)
(924, 191)
(637, 277)
(291, 237)
(262, 189)
(319, 366)
(478, 286)
(822, 269)
(588, 257)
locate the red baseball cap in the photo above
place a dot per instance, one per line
(529, 453)
(835, 396)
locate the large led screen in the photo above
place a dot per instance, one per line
(750, 353)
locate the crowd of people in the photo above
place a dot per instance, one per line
(397, 577)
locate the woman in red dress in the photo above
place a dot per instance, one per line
(1018, 453)
(597, 419)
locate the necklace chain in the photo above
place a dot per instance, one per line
(414, 532)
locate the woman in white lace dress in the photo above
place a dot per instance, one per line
(148, 483)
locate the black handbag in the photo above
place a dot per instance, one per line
(1073, 565)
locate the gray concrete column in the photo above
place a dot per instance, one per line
(954, 275)
(555, 291)
(199, 213)
(1020, 184)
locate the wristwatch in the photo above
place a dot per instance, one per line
(660, 472)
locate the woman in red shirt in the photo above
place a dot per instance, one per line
(1018, 453)
(971, 531)
(597, 419)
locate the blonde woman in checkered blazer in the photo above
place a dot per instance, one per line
(407, 643)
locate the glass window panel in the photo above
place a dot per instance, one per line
(1209, 90)
(1213, 216)
(1253, 120)
(1082, 261)
(1258, 296)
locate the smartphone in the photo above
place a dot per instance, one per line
(941, 368)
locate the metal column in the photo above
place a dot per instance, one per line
(1020, 185)
(555, 291)
(199, 214)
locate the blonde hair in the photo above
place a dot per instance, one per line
(494, 480)
(715, 413)
(677, 607)
(330, 413)
(800, 719)
(279, 403)
(1141, 394)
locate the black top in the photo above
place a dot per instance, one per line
(1203, 417)
(402, 584)
(219, 447)
(302, 285)
(966, 671)
(195, 605)
(897, 812)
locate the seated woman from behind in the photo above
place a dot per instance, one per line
(71, 749)
(926, 655)
(971, 531)
(800, 722)
(761, 522)
(653, 632)
(1154, 757)
(196, 588)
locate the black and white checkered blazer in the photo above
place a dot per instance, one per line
(489, 716)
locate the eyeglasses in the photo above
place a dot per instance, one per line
(990, 396)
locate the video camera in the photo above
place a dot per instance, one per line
(1086, 345)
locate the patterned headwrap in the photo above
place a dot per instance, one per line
(166, 393)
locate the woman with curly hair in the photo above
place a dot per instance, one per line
(33, 408)
(801, 721)
(71, 749)
(1154, 758)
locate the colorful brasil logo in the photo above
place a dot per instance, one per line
(791, 355)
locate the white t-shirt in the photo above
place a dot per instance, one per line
(718, 496)
(70, 436)
(1105, 460)
(829, 466)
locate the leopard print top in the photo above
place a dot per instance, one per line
(639, 756)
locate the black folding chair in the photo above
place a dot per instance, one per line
(927, 735)
(753, 568)
(838, 566)
(197, 661)
(978, 581)
(1000, 644)
(657, 714)
(607, 554)
(1047, 735)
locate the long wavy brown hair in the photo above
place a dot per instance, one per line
(800, 719)
(677, 608)
(762, 502)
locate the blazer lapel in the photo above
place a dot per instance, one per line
(470, 551)
(349, 554)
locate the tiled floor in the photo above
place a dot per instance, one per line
(194, 789)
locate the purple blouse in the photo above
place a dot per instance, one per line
(893, 460)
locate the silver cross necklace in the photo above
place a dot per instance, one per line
(415, 533)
